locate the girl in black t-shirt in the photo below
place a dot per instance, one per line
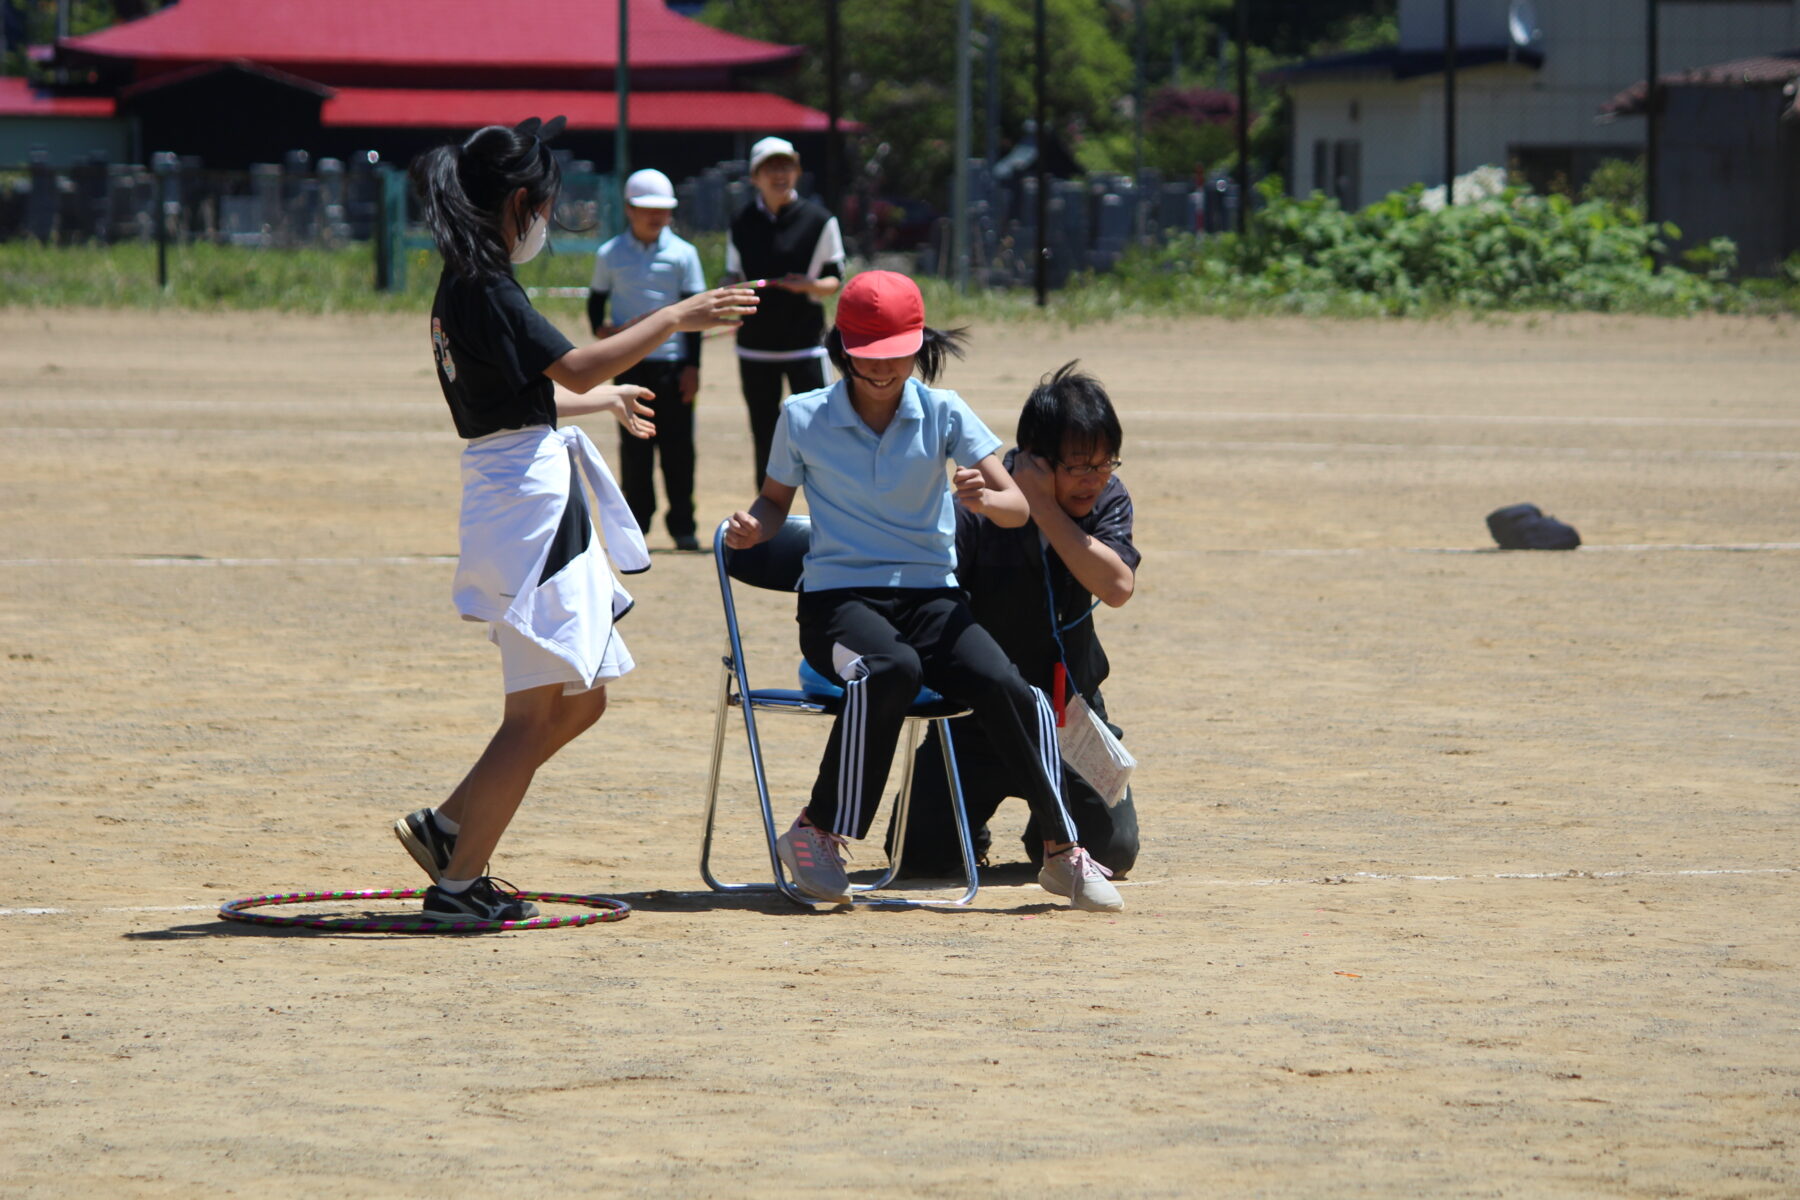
(530, 566)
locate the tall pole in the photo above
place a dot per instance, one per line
(1137, 130)
(1449, 102)
(833, 104)
(992, 133)
(959, 201)
(1043, 170)
(1652, 97)
(1242, 27)
(622, 82)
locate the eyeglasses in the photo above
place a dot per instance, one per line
(1083, 470)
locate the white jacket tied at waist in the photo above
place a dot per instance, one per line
(516, 485)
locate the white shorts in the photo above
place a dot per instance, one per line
(528, 665)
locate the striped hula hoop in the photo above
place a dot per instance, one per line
(240, 910)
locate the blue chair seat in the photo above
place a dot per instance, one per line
(821, 688)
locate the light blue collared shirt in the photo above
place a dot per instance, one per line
(642, 279)
(883, 513)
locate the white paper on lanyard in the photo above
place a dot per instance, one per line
(1090, 748)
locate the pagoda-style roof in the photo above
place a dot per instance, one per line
(377, 42)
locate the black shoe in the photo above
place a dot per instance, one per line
(688, 542)
(487, 899)
(430, 846)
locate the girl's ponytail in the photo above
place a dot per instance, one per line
(465, 188)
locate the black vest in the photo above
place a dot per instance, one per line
(769, 249)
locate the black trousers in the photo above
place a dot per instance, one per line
(1109, 834)
(882, 644)
(674, 441)
(762, 395)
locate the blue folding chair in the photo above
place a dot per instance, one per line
(775, 565)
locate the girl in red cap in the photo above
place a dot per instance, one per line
(880, 611)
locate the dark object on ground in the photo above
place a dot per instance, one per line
(1525, 527)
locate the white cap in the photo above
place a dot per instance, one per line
(649, 189)
(771, 147)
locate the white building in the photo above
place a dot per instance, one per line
(1530, 81)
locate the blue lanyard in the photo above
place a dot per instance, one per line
(1057, 629)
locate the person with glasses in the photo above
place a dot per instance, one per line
(1036, 589)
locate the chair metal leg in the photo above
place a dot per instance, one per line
(971, 872)
(712, 786)
(779, 881)
(902, 811)
(902, 806)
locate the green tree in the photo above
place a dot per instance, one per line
(37, 22)
(899, 72)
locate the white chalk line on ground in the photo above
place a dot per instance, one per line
(286, 433)
(390, 560)
(1586, 548)
(1579, 453)
(1472, 419)
(1348, 877)
(412, 560)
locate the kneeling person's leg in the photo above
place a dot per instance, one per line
(963, 662)
(1109, 834)
(931, 841)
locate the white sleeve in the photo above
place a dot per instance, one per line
(602, 281)
(829, 250)
(733, 264)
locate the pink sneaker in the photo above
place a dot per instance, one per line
(815, 862)
(1075, 874)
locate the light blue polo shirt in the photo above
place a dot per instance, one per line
(883, 513)
(642, 279)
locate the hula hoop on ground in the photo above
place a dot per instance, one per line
(239, 910)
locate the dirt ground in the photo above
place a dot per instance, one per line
(1465, 873)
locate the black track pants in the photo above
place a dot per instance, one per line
(762, 395)
(882, 644)
(674, 443)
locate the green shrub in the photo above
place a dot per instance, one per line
(1398, 257)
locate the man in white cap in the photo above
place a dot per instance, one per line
(641, 270)
(795, 246)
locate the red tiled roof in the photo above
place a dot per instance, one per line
(1763, 70)
(550, 34)
(432, 108)
(19, 99)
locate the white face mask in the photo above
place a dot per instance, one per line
(535, 236)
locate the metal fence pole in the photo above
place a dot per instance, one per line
(1449, 103)
(1242, 24)
(1042, 264)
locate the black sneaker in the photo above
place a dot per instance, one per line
(430, 846)
(687, 542)
(487, 899)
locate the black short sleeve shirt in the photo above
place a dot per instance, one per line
(1004, 573)
(491, 349)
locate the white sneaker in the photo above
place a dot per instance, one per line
(815, 862)
(1075, 874)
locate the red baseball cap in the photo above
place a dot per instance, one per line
(880, 314)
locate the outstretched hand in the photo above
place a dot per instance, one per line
(727, 305)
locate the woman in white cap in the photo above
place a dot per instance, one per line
(793, 248)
